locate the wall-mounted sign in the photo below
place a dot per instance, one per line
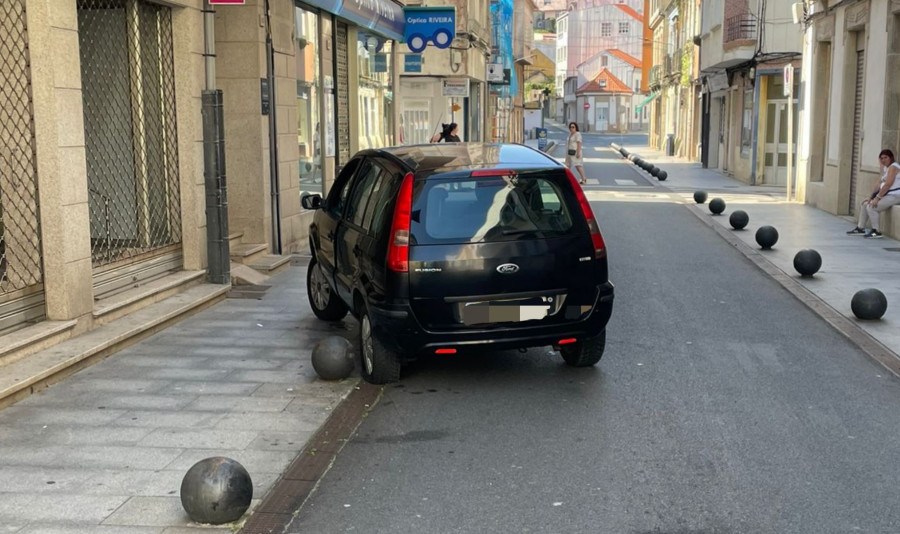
(429, 24)
(497, 75)
(455, 87)
(412, 63)
(384, 17)
(379, 63)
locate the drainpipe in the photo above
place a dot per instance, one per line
(217, 247)
(273, 136)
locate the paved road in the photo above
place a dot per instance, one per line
(722, 405)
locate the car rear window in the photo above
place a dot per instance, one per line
(489, 209)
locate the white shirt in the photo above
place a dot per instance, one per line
(895, 187)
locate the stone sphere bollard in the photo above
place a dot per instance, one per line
(332, 358)
(700, 197)
(767, 236)
(716, 206)
(216, 490)
(662, 176)
(739, 219)
(807, 262)
(624, 153)
(654, 170)
(869, 304)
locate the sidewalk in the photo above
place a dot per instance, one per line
(105, 450)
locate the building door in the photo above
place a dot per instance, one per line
(777, 141)
(857, 127)
(722, 135)
(415, 122)
(602, 118)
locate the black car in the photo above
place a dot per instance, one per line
(442, 248)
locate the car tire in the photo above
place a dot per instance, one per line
(380, 365)
(584, 353)
(325, 303)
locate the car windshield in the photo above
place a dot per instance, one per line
(488, 209)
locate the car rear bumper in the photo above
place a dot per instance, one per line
(397, 329)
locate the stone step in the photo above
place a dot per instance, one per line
(28, 375)
(26, 341)
(248, 253)
(270, 264)
(111, 308)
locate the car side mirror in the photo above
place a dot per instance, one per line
(310, 201)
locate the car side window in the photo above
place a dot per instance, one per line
(380, 200)
(337, 197)
(362, 193)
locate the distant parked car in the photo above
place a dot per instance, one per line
(445, 248)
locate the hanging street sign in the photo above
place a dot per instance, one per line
(586, 105)
(436, 25)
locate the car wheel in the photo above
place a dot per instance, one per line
(584, 353)
(379, 364)
(324, 301)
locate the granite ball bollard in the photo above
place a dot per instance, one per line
(766, 236)
(716, 206)
(700, 197)
(332, 358)
(739, 219)
(662, 176)
(807, 262)
(868, 304)
(654, 170)
(624, 153)
(216, 490)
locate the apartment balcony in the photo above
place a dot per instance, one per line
(740, 28)
(655, 75)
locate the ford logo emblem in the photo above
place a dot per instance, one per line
(508, 268)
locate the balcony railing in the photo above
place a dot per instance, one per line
(655, 74)
(740, 27)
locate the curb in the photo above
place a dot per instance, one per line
(284, 501)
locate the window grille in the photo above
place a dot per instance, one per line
(20, 232)
(128, 87)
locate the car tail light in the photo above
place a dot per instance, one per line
(445, 351)
(566, 341)
(482, 173)
(398, 248)
(593, 226)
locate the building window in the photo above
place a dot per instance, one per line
(606, 29)
(604, 61)
(624, 28)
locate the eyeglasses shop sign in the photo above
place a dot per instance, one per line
(455, 87)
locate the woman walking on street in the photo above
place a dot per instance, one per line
(885, 195)
(573, 151)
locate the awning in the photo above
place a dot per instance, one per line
(647, 100)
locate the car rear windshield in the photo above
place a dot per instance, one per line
(489, 209)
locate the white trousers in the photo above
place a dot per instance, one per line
(869, 214)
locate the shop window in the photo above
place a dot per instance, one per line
(376, 95)
(309, 94)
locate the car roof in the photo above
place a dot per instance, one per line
(438, 157)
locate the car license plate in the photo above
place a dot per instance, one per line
(501, 312)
